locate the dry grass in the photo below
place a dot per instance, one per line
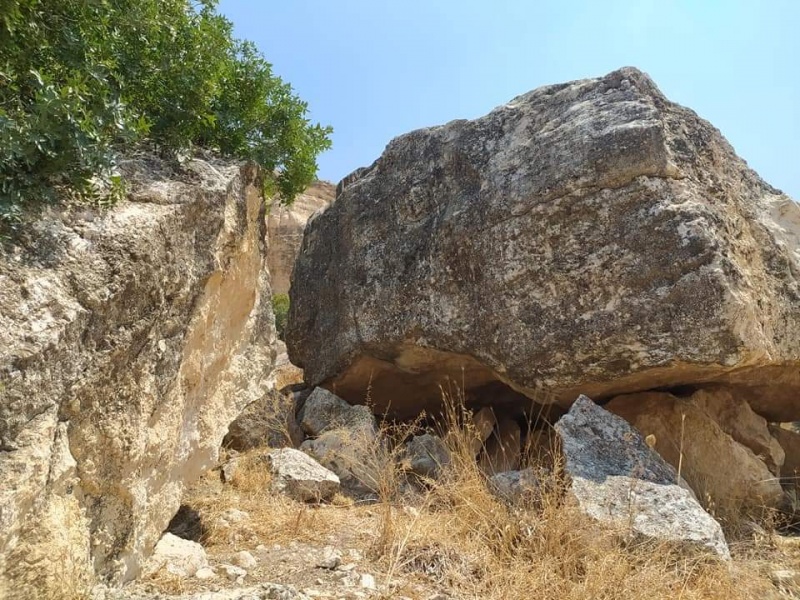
(455, 535)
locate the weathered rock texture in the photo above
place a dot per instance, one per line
(285, 229)
(586, 237)
(296, 474)
(129, 339)
(617, 479)
(722, 447)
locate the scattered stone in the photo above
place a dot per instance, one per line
(234, 515)
(234, 573)
(324, 411)
(368, 582)
(330, 559)
(245, 560)
(228, 470)
(617, 479)
(713, 462)
(502, 451)
(352, 455)
(177, 556)
(426, 455)
(518, 487)
(483, 423)
(205, 573)
(789, 441)
(267, 422)
(299, 476)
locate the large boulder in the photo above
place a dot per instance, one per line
(285, 226)
(616, 478)
(720, 445)
(129, 340)
(585, 237)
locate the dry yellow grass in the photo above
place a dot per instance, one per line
(459, 537)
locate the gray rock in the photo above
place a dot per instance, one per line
(590, 236)
(324, 411)
(244, 560)
(519, 487)
(355, 455)
(299, 476)
(618, 479)
(267, 422)
(426, 455)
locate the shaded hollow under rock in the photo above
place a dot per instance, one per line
(187, 524)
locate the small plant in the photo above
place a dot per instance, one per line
(280, 306)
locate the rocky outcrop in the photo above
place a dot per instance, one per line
(285, 229)
(617, 479)
(129, 340)
(721, 446)
(585, 237)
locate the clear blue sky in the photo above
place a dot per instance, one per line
(376, 69)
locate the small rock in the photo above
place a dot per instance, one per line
(234, 515)
(426, 455)
(228, 470)
(234, 573)
(245, 560)
(299, 476)
(331, 558)
(516, 486)
(183, 558)
(324, 411)
(205, 573)
(368, 582)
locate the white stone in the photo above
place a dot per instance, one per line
(183, 558)
(244, 559)
(299, 476)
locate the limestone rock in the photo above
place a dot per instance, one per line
(244, 559)
(354, 456)
(298, 475)
(324, 411)
(586, 237)
(285, 229)
(715, 464)
(269, 421)
(426, 455)
(516, 486)
(129, 339)
(617, 479)
(179, 557)
(789, 441)
(502, 451)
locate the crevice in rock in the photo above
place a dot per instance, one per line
(187, 524)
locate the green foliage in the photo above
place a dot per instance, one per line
(280, 306)
(81, 78)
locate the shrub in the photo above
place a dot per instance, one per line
(80, 78)
(280, 306)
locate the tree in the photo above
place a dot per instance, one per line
(80, 78)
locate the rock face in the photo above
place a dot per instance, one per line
(129, 340)
(725, 447)
(586, 237)
(616, 478)
(285, 229)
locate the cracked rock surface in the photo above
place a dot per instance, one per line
(587, 237)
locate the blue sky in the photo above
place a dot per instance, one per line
(376, 69)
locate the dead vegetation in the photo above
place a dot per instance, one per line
(455, 536)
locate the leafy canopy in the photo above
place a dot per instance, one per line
(80, 79)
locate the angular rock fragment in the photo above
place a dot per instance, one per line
(618, 479)
(301, 477)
